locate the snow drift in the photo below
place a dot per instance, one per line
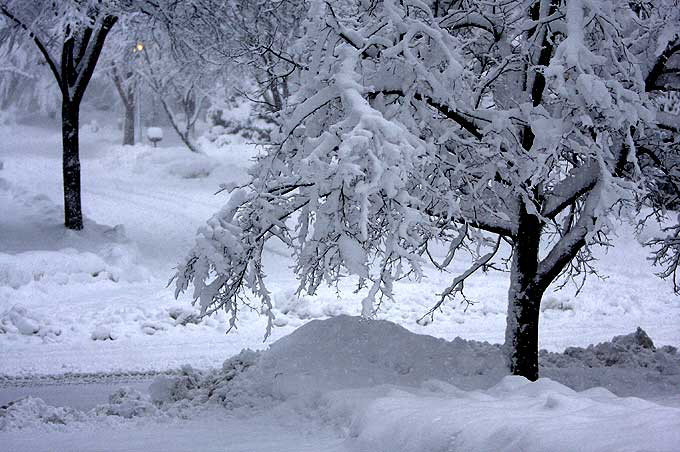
(384, 388)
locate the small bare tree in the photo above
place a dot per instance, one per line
(69, 36)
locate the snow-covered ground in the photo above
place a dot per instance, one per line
(95, 307)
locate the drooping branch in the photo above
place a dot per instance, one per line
(51, 61)
(459, 281)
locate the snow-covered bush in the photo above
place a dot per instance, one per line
(103, 332)
(17, 320)
(635, 350)
(128, 403)
(192, 167)
(31, 412)
(237, 120)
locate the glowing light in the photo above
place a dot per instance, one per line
(139, 47)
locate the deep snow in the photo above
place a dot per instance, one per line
(96, 302)
(382, 388)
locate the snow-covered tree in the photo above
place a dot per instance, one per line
(69, 36)
(122, 61)
(261, 38)
(469, 123)
(25, 82)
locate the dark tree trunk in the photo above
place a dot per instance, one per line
(524, 299)
(129, 126)
(73, 216)
(80, 51)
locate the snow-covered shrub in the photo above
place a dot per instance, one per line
(232, 386)
(18, 320)
(30, 412)
(183, 316)
(192, 167)
(166, 389)
(635, 350)
(238, 117)
(298, 306)
(103, 333)
(128, 403)
(558, 303)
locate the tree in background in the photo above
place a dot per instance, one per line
(25, 84)
(262, 33)
(69, 36)
(466, 123)
(122, 61)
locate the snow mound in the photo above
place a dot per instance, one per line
(37, 249)
(162, 162)
(337, 353)
(192, 167)
(627, 365)
(385, 389)
(289, 304)
(31, 412)
(69, 266)
(514, 415)
(127, 403)
(103, 333)
(352, 352)
(18, 320)
(346, 352)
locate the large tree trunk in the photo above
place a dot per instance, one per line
(129, 126)
(73, 216)
(524, 299)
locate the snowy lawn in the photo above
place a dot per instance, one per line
(349, 384)
(97, 302)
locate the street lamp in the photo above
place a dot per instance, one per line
(139, 47)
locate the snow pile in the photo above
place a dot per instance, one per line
(513, 415)
(350, 353)
(233, 386)
(36, 248)
(69, 266)
(127, 403)
(627, 365)
(192, 167)
(18, 320)
(31, 412)
(384, 388)
(148, 161)
(288, 304)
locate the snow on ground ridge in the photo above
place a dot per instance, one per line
(385, 388)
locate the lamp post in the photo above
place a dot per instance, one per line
(139, 47)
